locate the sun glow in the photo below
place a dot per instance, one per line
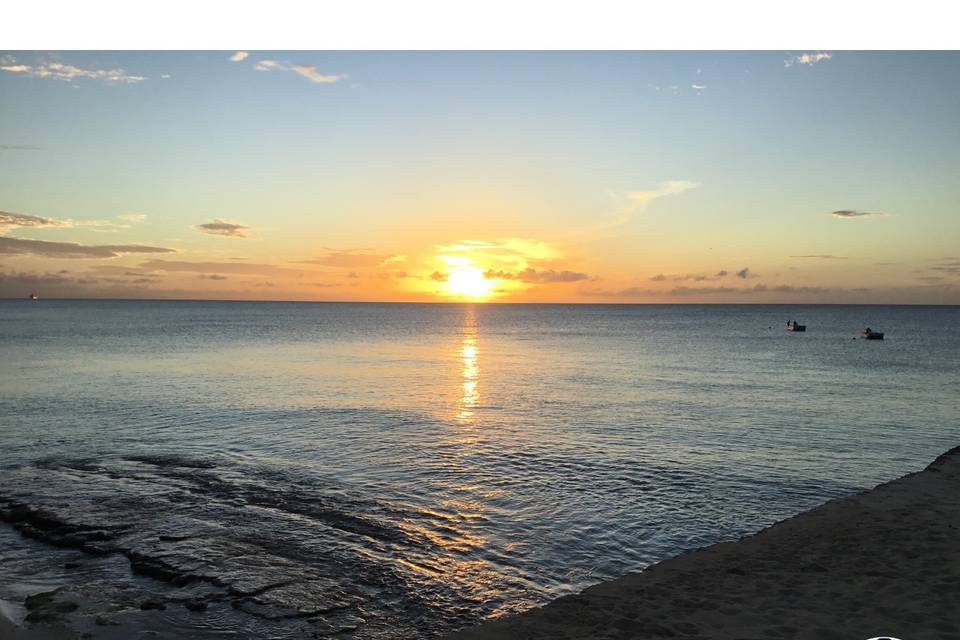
(469, 282)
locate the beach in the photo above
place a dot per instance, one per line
(881, 563)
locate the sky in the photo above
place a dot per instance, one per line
(648, 177)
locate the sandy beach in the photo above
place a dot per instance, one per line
(882, 563)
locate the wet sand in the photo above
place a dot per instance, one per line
(882, 563)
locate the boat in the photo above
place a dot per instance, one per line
(34, 296)
(793, 326)
(868, 334)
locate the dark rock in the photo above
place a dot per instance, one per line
(147, 605)
(195, 605)
(104, 621)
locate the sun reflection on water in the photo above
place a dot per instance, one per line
(470, 361)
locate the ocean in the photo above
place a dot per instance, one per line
(286, 470)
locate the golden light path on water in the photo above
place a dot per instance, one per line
(469, 355)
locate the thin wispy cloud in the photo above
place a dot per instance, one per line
(10, 220)
(532, 276)
(312, 74)
(948, 266)
(349, 258)
(22, 246)
(67, 72)
(680, 277)
(849, 214)
(18, 147)
(807, 59)
(821, 256)
(246, 268)
(641, 199)
(239, 56)
(223, 228)
(308, 71)
(680, 292)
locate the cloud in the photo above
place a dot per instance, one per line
(68, 72)
(239, 56)
(439, 277)
(19, 246)
(311, 73)
(216, 267)
(10, 220)
(699, 88)
(948, 266)
(743, 273)
(668, 188)
(630, 204)
(18, 147)
(532, 276)
(696, 277)
(308, 71)
(211, 276)
(349, 258)
(808, 59)
(785, 288)
(634, 292)
(853, 213)
(223, 228)
(822, 256)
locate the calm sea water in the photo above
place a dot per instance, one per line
(395, 471)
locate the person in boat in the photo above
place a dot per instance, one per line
(867, 331)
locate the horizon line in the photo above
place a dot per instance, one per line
(474, 302)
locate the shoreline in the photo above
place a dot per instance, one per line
(882, 562)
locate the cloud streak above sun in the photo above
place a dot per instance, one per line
(532, 276)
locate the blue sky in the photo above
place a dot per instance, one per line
(388, 154)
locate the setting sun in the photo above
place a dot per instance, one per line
(469, 282)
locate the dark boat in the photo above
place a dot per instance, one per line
(872, 335)
(793, 326)
(34, 296)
